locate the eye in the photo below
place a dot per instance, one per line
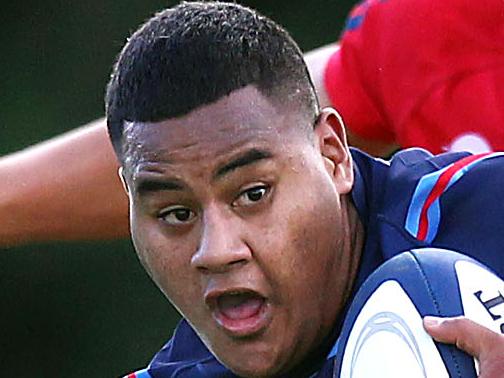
(176, 215)
(251, 196)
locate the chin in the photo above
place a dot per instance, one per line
(255, 371)
(253, 365)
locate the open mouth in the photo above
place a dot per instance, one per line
(241, 313)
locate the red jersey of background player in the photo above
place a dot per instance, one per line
(422, 73)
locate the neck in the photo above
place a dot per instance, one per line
(354, 244)
(352, 249)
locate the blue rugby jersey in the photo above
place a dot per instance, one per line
(451, 201)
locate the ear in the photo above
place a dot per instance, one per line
(120, 172)
(331, 138)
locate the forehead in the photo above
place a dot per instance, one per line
(243, 118)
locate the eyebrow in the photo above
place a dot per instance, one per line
(144, 185)
(149, 185)
(249, 157)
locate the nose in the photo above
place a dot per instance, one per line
(222, 247)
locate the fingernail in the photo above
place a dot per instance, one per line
(432, 321)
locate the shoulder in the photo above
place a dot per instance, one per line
(469, 183)
(384, 190)
(184, 356)
(448, 201)
(185, 345)
(397, 176)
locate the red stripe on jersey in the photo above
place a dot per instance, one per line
(438, 189)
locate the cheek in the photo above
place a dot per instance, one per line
(315, 244)
(308, 240)
(166, 262)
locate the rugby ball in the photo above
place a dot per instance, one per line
(383, 336)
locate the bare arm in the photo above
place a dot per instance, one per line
(317, 62)
(66, 188)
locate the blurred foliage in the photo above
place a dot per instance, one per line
(88, 309)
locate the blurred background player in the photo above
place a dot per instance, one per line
(421, 73)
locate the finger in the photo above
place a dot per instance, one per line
(464, 333)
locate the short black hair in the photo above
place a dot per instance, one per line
(197, 52)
